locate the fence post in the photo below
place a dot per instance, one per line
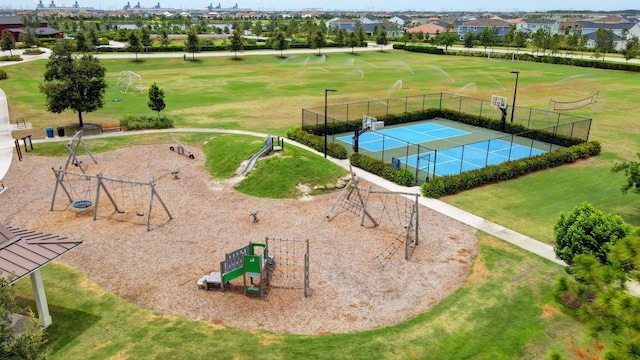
(440, 106)
(423, 100)
(387, 107)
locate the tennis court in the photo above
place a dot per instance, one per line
(444, 147)
(458, 159)
(400, 136)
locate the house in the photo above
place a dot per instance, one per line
(15, 26)
(530, 26)
(401, 21)
(478, 25)
(427, 29)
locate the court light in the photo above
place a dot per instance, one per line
(515, 92)
(325, 119)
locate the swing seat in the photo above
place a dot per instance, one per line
(82, 204)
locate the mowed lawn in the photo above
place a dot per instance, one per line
(266, 94)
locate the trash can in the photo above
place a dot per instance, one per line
(49, 132)
(61, 131)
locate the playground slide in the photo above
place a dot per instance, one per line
(6, 141)
(267, 147)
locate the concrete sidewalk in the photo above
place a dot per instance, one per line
(6, 140)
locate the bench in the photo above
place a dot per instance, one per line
(110, 127)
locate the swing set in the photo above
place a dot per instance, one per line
(72, 147)
(79, 188)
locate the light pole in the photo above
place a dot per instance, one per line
(515, 92)
(326, 91)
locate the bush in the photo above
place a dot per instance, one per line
(3, 74)
(452, 184)
(317, 143)
(10, 58)
(32, 52)
(588, 231)
(403, 177)
(136, 122)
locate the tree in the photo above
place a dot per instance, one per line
(631, 48)
(164, 37)
(145, 37)
(554, 43)
(28, 36)
(381, 37)
(236, 41)
(361, 35)
(26, 346)
(630, 169)
(193, 44)
(447, 39)
(604, 41)
(73, 83)
(7, 42)
(257, 29)
(520, 40)
(318, 40)
(156, 98)
(587, 230)
(509, 38)
(572, 41)
(469, 40)
(599, 292)
(352, 40)
(341, 37)
(541, 40)
(278, 41)
(582, 44)
(134, 42)
(82, 45)
(488, 37)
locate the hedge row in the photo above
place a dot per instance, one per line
(317, 143)
(402, 177)
(549, 59)
(452, 184)
(136, 122)
(421, 49)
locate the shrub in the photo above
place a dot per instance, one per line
(403, 177)
(588, 231)
(33, 52)
(10, 58)
(3, 74)
(452, 184)
(317, 143)
(136, 122)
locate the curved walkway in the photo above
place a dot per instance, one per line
(525, 242)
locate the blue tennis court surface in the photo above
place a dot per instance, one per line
(400, 136)
(459, 159)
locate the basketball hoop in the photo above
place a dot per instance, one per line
(499, 102)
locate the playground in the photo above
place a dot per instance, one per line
(349, 290)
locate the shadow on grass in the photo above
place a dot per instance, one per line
(67, 325)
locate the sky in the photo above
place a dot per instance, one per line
(363, 5)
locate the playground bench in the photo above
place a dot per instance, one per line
(110, 127)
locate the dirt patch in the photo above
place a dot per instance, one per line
(158, 269)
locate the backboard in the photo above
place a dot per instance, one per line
(499, 101)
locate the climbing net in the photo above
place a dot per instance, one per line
(350, 200)
(396, 214)
(291, 262)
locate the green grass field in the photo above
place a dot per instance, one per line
(498, 314)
